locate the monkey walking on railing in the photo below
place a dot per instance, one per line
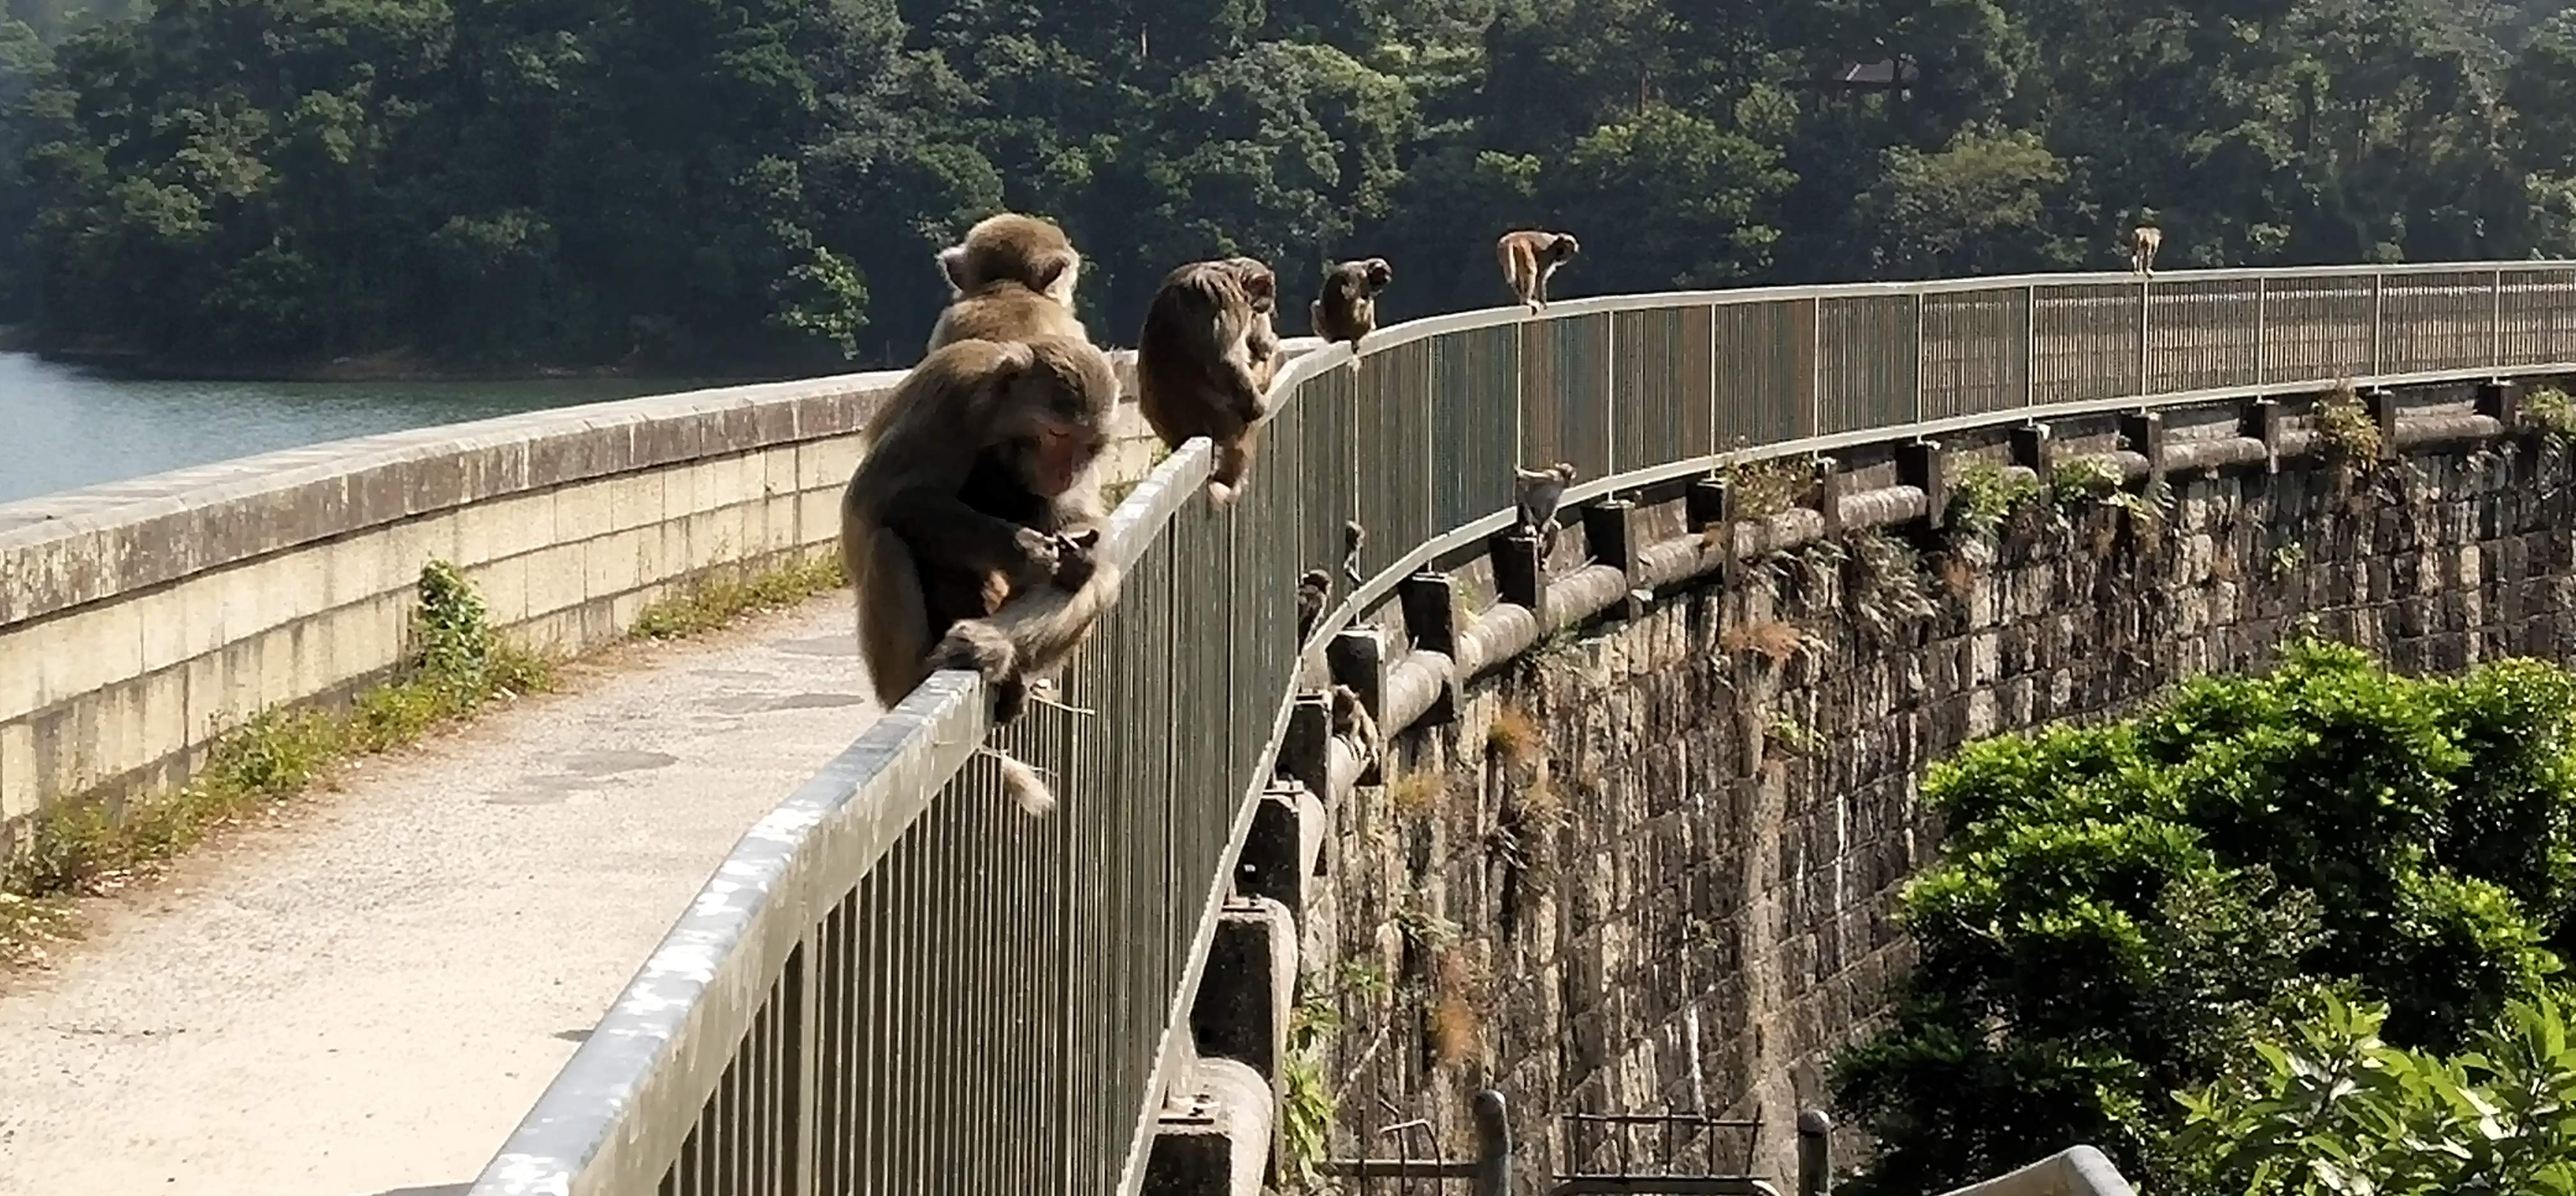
(1204, 362)
(1529, 258)
(2144, 241)
(971, 527)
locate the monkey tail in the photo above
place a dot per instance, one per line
(1023, 784)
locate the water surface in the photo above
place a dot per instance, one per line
(64, 426)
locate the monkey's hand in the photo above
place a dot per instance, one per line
(1041, 558)
(977, 645)
(1076, 559)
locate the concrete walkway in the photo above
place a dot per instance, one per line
(364, 998)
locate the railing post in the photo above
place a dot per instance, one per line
(1493, 1146)
(2143, 433)
(2030, 451)
(1520, 573)
(2263, 422)
(2262, 297)
(1921, 464)
(2495, 323)
(1829, 495)
(1920, 355)
(1816, 367)
(2030, 345)
(2143, 304)
(2378, 301)
(1815, 1153)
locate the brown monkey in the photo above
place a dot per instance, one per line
(1539, 491)
(969, 528)
(1347, 310)
(1012, 278)
(1314, 588)
(1353, 725)
(1204, 362)
(1353, 538)
(1530, 258)
(2144, 241)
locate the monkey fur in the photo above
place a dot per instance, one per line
(1529, 258)
(970, 527)
(1347, 310)
(1314, 588)
(1353, 536)
(1539, 492)
(1204, 362)
(1353, 725)
(1012, 278)
(2144, 241)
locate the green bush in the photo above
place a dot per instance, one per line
(2121, 908)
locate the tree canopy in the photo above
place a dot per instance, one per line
(760, 184)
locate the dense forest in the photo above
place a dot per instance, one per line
(760, 184)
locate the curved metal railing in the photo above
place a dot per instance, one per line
(898, 983)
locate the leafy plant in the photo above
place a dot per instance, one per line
(2346, 425)
(1985, 494)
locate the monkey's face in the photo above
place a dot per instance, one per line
(1564, 247)
(1260, 286)
(1056, 452)
(1061, 415)
(1379, 274)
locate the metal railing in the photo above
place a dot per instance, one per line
(900, 984)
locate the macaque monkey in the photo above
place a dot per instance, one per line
(1353, 725)
(970, 528)
(1530, 258)
(1204, 362)
(1347, 310)
(1012, 278)
(1353, 537)
(1539, 491)
(1314, 588)
(2144, 241)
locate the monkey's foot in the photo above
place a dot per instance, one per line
(1220, 495)
(979, 646)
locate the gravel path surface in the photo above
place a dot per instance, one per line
(362, 998)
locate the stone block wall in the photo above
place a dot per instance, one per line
(1652, 864)
(140, 619)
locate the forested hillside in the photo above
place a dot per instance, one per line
(760, 184)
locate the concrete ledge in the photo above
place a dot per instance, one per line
(1214, 1137)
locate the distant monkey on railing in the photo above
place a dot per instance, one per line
(970, 528)
(2144, 241)
(1204, 362)
(1347, 310)
(1530, 258)
(1353, 537)
(1314, 588)
(1012, 278)
(1540, 489)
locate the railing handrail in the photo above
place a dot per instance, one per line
(891, 774)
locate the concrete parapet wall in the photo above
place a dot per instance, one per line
(140, 619)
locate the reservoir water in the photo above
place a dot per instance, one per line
(64, 426)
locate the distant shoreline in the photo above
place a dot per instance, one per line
(370, 367)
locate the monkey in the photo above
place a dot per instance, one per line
(970, 529)
(1530, 258)
(1353, 536)
(1010, 279)
(1204, 361)
(1353, 725)
(2144, 241)
(1314, 588)
(1539, 491)
(1347, 310)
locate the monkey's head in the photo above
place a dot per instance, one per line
(1564, 471)
(1055, 412)
(1345, 701)
(1259, 284)
(1563, 247)
(1379, 274)
(1010, 247)
(1315, 580)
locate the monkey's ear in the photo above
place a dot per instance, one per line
(952, 262)
(1052, 271)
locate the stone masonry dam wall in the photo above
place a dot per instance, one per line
(140, 619)
(1642, 856)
